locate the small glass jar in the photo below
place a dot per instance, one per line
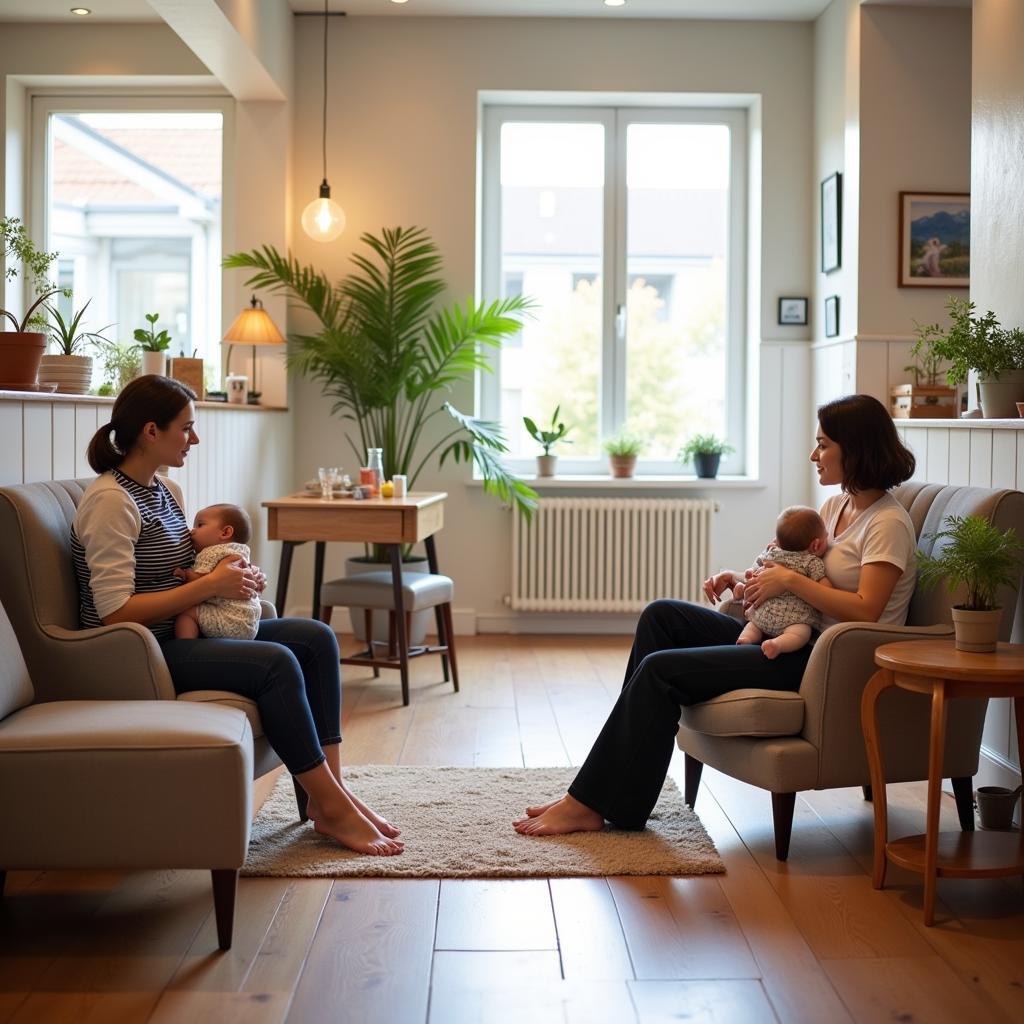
(375, 462)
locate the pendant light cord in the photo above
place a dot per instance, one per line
(324, 131)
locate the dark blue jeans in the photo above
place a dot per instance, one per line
(291, 670)
(682, 654)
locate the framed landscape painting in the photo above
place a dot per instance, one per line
(935, 240)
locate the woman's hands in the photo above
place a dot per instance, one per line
(715, 586)
(770, 581)
(234, 578)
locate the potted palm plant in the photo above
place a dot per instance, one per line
(705, 451)
(387, 354)
(623, 449)
(21, 349)
(547, 439)
(70, 368)
(975, 559)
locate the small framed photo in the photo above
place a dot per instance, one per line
(832, 316)
(935, 240)
(831, 222)
(792, 311)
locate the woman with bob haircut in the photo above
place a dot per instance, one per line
(685, 654)
(131, 547)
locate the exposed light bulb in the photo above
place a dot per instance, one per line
(323, 219)
(82, 12)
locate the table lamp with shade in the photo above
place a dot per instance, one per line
(252, 326)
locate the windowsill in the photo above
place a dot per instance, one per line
(51, 396)
(636, 483)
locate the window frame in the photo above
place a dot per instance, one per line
(615, 117)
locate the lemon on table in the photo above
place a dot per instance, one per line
(387, 489)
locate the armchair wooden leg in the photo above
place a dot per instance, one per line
(783, 805)
(3, 882)
(866, 790)
(225, 885)
(691, 778)
(964, 796)
(301, 799)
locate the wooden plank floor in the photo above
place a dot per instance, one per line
(809, 940)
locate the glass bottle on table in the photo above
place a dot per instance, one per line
(375, 462)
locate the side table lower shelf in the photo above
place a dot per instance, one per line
(963, 854)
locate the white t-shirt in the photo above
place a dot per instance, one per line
(881, 533)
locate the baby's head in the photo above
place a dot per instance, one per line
(800, 528)
(221, 524)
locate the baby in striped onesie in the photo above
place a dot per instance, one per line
(220, 531)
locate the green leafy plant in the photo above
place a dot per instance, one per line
(149, 339)
(35, 263)
(624, 444)
(927, 364)
(972, 343)
(704, 444)
(387, 354)
(977, 556)
(548, 438)
(66, 335)
(120, 365)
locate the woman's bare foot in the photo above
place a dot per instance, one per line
(561, 817)
(534, 812)
(382, 825)
(356, 833)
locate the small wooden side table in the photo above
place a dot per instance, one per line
(937, 668)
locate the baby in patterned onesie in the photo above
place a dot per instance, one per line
(784, 623)
(220, 531)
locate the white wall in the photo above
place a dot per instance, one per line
(402, 150)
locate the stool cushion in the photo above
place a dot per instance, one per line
(747, 713)
(376, 590)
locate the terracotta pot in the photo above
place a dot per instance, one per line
(71, 374)
(546, 465)
(975, 630)
(623, 466)
(20, 354)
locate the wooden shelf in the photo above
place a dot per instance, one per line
(964, 854)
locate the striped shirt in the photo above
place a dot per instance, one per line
(128, 539)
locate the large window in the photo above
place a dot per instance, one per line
(131, 197)
(626, 228)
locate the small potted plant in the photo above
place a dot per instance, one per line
(705, 451)
(69, 368)
(547, 462)
(976, 559)
(21, 349)
(623, 449)
(154, 345)
(927, 397)
(120, 365)
(979, 343)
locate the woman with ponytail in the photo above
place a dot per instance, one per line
(131, 545)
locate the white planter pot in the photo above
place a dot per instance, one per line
(421, 620)
(546, 465)
(71, 374)
(154, 362)
(999, 398)
(977, 631)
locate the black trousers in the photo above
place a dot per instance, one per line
(682, 654)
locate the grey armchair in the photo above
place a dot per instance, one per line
(812, 739)
(118, 662)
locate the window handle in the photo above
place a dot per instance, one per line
(620, 322)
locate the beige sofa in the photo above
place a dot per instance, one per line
(812, 739)
(118, 662)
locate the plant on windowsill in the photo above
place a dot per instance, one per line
(21, 349)
(705, 451)
(70, 368)
(547, 439)
(154, 345)
(120, 366)
(623, 449)
(926, 397)
(976, 559)
(979, 343)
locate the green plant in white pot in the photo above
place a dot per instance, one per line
(705, 451)
(153, 345)
(22, 348)
(547, 439)
(70, 366)
(979, 343)
(975, 559)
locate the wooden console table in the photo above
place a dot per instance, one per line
(938, 669)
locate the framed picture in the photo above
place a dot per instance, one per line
(832, 316)
(831, 222)
(935, 240)
(792, 311)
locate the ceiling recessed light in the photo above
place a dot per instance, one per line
(399, 1)
(615, 3)
(81, 11)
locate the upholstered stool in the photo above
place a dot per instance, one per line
(376, 591)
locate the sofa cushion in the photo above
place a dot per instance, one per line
(747, 713)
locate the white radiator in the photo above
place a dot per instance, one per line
(609, 554)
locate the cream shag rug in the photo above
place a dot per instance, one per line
(457, 823)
